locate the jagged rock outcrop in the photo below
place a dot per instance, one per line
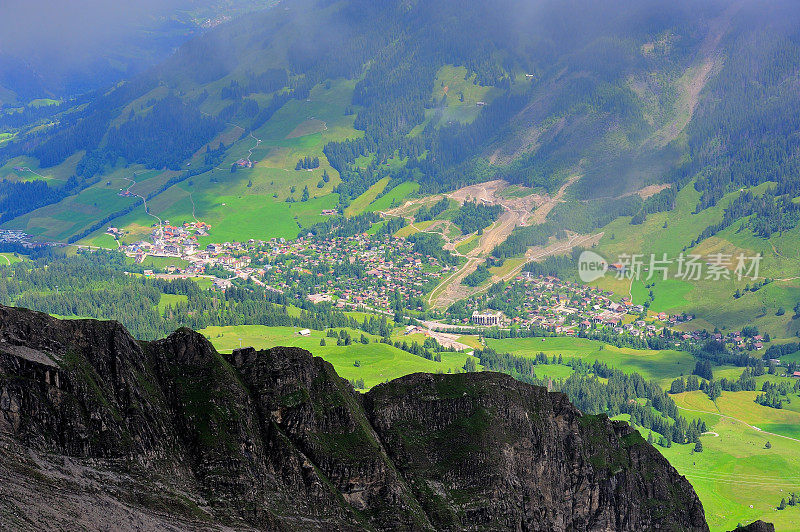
(98, 430)
(489, 452)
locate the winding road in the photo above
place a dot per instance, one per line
(146, 208)
(536, 253)
(27, 169)
(745, 423)
(250, 151)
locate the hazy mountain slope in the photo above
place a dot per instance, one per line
(745, 129)
(49, 50)
(623, 96)
(171, 430)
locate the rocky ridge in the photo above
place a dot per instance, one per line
(100, 431)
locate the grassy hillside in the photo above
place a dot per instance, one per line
(249, 203)
(663, 366)
(496, 91)
(737, 478)
(712, 300)
(377, 362)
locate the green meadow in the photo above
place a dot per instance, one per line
(75, 213)
(553, 371)
(663, 366)
(460, 98)
(393, 198)
(517, 191)
(102, 240)
(5, 138)
(360, 204)
(168, 300)
(10, 258)
(409, 230)
(468, 244)
(43, 102)
(737, 477)
(251, 203)
(667, 295)
(711, 300)
(32, 170)
(161, 263)
(377, 362)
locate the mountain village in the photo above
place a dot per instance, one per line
(385, 276)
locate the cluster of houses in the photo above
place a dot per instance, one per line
(566, 308)
(356, 271)
(168, 241)
(574, 309)
(375, 272)
(736, 339)
(13, 236)
(181, 242)
(20, 238)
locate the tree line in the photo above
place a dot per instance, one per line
(618, 393)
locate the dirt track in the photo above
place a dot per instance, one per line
(516, 212)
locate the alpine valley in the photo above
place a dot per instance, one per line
(451, 264)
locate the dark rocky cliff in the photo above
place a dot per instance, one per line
(100, 431)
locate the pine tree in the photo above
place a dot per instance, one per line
(470, 365)
(678, 386)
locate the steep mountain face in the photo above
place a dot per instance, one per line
(99, 430)
(605, 95)
(490, 452)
